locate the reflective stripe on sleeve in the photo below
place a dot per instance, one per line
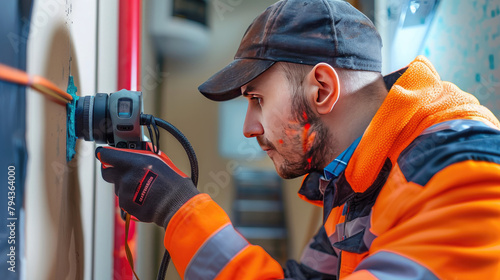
(193, 224)
(215, 254)
(319, 261)
(390, 266)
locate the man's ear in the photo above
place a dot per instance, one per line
(326, 87)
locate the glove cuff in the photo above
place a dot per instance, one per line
(175, 200)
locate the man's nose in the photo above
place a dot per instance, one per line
(252, 126)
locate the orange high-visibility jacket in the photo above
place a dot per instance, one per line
(419, 199)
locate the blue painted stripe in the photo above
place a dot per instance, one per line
(391, 266)
(215, 254)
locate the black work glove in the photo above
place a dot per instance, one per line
(148, 185)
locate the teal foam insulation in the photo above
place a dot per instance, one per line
(70, 124)
(464, 45)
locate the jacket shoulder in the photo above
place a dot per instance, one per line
(445, 144)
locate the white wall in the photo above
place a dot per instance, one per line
(107, 63)
(63, 223)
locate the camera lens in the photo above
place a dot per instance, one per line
(92, 121)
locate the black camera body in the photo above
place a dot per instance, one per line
(113, 119)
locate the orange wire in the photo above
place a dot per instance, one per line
(13, 75)
(38, 83)
(130, 258)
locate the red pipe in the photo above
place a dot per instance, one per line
(129, 44)
(129, 73)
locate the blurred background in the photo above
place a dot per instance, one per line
(68, 215)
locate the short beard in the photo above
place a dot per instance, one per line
(318, 153)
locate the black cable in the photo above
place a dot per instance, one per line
(163, 266)
(157, 133)
(149, 120)
(155, 139)
(146, 120)
(152, 139)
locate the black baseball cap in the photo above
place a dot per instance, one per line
(304, 32)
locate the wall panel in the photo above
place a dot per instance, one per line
(59, 195)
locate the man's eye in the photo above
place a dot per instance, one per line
(258, 99)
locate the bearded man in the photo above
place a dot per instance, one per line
(406, 166)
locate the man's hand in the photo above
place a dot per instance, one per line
(149, 186)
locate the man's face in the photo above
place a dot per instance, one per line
(284, 124)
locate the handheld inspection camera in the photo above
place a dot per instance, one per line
(112, 119)
(117, 119)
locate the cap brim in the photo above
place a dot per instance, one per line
(226, 83)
